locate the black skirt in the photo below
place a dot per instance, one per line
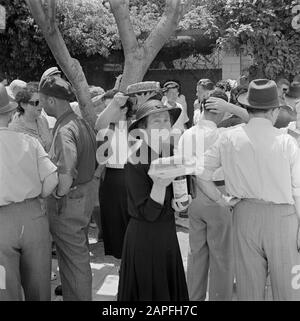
(152, 268)
(113, 209)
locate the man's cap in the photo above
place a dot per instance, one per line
(51, 72)
(58, 88)
(206, 84)
(262, 94)
(6, 105)
(170, 85)
(14, 87)
(294, 91)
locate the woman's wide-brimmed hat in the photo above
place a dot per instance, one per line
(262, 94)
(6, 105)
(154, 106)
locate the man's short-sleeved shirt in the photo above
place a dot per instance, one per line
(24, 165)
(74, 148)
(258, 160)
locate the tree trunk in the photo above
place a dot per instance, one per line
(138, 58)
(134, 70)
(44, 15)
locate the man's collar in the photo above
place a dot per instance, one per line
(62, 117)
(260, 121)
(205, 122)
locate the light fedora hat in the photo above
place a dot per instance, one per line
(6, 105)
(262, 94)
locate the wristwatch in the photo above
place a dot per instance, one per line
(57, 196)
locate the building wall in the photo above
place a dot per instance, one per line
(231, 66)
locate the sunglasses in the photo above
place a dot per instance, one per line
(33, 103)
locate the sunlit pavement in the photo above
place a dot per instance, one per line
(105, 268)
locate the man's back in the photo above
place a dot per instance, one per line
(257, 160)
(22, 167)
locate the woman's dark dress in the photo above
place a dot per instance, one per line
(151, 267)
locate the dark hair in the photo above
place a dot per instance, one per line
(223, 85)
(258, 110)
(236, 92)
(217, 93)
(25, 94)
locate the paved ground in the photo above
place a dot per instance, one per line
(105, 268)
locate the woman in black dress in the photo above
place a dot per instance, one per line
(151, 267)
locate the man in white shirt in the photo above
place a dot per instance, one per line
(261, 166)
(203, 89)
(26, 173)
(292, 98)
(210, 225)
(170, 99)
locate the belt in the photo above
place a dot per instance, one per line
(27, 200)
(116, 166)
(259, 201)
(219, 183)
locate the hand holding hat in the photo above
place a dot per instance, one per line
(115, 109)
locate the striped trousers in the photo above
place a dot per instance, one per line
(265, 237)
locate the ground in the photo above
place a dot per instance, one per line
(105, 268)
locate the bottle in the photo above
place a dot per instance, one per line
(180, 191)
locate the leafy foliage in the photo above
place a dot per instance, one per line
(88, 28)
(263, 29)
(23, 50)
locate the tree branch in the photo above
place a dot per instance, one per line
(52, 13)
(70, 66)
(121, 13)
(167, 25)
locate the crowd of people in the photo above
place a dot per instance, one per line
(58, 172)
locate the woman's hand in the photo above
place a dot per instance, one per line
(158, 191)
(161, 182)
(227, 201)
(113, 113)
(177, 205)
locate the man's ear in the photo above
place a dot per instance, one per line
(51, 101)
